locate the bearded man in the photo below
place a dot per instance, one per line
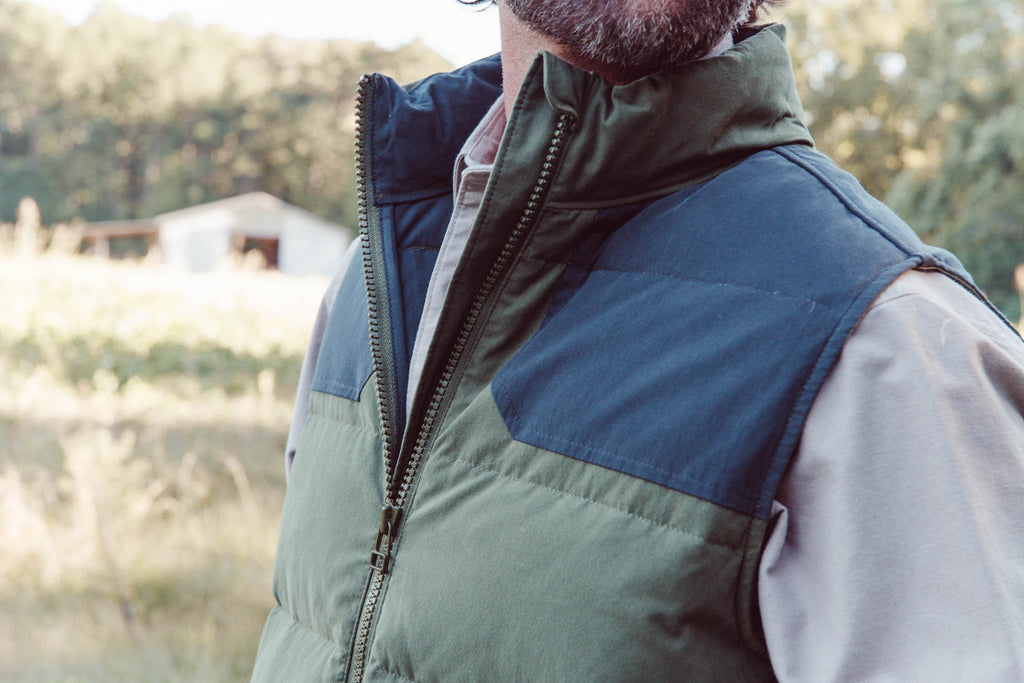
(648, 389)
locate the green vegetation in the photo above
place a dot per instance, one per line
(143, 412)
(923, 100)
(143, 417)
(127, 118)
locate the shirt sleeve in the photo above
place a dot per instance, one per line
(897, 551)
(301, 412)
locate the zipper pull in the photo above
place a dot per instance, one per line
(380, 558)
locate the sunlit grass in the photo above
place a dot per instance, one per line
(143, 414)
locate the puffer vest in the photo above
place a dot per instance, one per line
(659, 280)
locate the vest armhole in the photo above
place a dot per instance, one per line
(748, 611)
(747, 607)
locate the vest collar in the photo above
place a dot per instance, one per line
(632, 142)
(675, 128)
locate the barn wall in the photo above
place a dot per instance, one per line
(309, 247)
(197, 243)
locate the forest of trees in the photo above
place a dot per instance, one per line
(121, 117)
(127, 118)
(923, 100)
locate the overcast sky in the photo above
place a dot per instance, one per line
(459, 33)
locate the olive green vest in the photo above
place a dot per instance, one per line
(660, 278)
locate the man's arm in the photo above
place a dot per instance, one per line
(898, 550)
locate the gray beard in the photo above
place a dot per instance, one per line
(632, 38)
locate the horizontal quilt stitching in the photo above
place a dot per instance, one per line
(648, 520)
(306, 627)
(641, 466)
(713, 283)
(392, 674)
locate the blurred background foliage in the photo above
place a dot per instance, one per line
(143, 417)
(923, 100)
(121, 117)
(143, 412)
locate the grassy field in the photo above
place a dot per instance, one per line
(143, 416)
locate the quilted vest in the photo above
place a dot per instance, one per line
(659, 281)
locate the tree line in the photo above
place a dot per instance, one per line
(121, 117)
(923, 100)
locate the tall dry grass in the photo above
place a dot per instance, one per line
(143, 414)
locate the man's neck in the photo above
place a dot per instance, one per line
(519, 45)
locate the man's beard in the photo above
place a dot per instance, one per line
(632, 38)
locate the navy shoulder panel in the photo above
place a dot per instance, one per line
(691, 351)
(412, 235)
(873, 212)
(344, 363)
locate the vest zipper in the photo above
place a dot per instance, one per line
(400, 473)
(383, 364)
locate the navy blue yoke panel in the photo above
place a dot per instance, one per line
(678, 358)
(416, 230)
(344, 363)
(419, 228)
(419, 130)
(414, 136)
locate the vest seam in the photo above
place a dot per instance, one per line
(344, 423)
(527, 482)
(308, 628)
(618, 456)
(786, 445)
(752, 633)
(828, 353)
(331, 386)
(715, 283)
(843, 198)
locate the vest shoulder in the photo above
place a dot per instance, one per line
(787, 218)
(798, 178)
(806, 184)
(784, 221)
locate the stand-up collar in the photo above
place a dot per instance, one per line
(645, 139)
(677, 127)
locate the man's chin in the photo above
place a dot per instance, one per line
(624, 41)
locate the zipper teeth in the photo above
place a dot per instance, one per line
(508, 250)
(362, 202)
(363, 629)
(497, 269)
